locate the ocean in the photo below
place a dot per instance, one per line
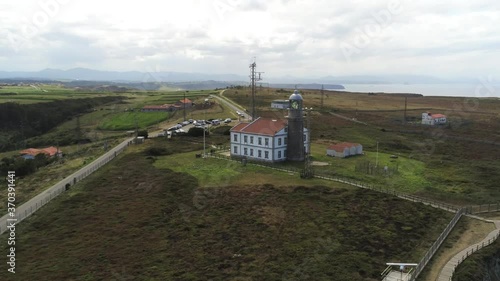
(480, 90)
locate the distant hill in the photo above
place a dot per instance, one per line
(116, 76)
(78, 74)
(311, 86)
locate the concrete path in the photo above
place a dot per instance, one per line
(448, 270)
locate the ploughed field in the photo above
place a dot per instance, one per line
(132, 221)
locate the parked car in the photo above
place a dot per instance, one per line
(190, 121)
(185, 123)
(228, 120)
(216, 122)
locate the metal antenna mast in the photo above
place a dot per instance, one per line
(322, 96)
(254, 77)
(308, 171)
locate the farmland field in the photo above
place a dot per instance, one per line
(129, 120)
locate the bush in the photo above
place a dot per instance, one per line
(143, 133)
(196, 132)
(158, 151)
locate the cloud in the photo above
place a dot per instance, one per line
(296, 37)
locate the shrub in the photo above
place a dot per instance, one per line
(158, 151)
(196, 132)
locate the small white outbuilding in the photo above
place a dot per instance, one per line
(344, 149)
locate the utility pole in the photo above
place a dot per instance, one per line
(406, 106)
(184, 102)
(254, 77)
(308, 168)
(204, 129)
(322, 96)
(136, 126)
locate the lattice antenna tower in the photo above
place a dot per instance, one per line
(322, 96)
(308, 172)
(254, 77)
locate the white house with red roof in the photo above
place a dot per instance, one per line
(30, 153)
(264, 139)
(344, 149)
(433, 119)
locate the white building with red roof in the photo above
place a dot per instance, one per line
(344, 149)
(264, 139)
(433, 119)
(30, 153)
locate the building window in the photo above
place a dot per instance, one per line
(251, 139)
(267, 141)
(235, 137)
(235, 150)
(260, 141)
(284, 153)
(266, 154)
(251, 151)
(286, 129)
(245, 139)
(286, 140)
(305, 137)
(245, 151)
(279, 141)
(279, 154)
(259, 154)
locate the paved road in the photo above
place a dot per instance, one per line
(232, 106)
(25, 210)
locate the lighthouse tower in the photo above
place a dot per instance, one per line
(295, 145)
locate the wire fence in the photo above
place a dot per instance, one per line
(474, 249)
(459, 211)
(30, 207)
(435, 246)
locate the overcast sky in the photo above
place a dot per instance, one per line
(311, 38)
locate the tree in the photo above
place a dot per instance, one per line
(196, 132)
(143, 133)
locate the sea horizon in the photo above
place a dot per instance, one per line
(448, 90)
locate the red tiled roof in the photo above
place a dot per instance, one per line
(435, 116)
(186, 100)
(340, 147)
(51, 151)
(239, 127)
(261, 126)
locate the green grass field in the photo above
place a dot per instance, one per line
(129, 120)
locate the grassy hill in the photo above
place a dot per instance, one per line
(133, 220)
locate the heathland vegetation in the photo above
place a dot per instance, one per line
(194, 229)
(194, 218)
(456, 163)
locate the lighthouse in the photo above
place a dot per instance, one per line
(295, 145)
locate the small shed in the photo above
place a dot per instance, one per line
(344, 149)
(139, 139)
